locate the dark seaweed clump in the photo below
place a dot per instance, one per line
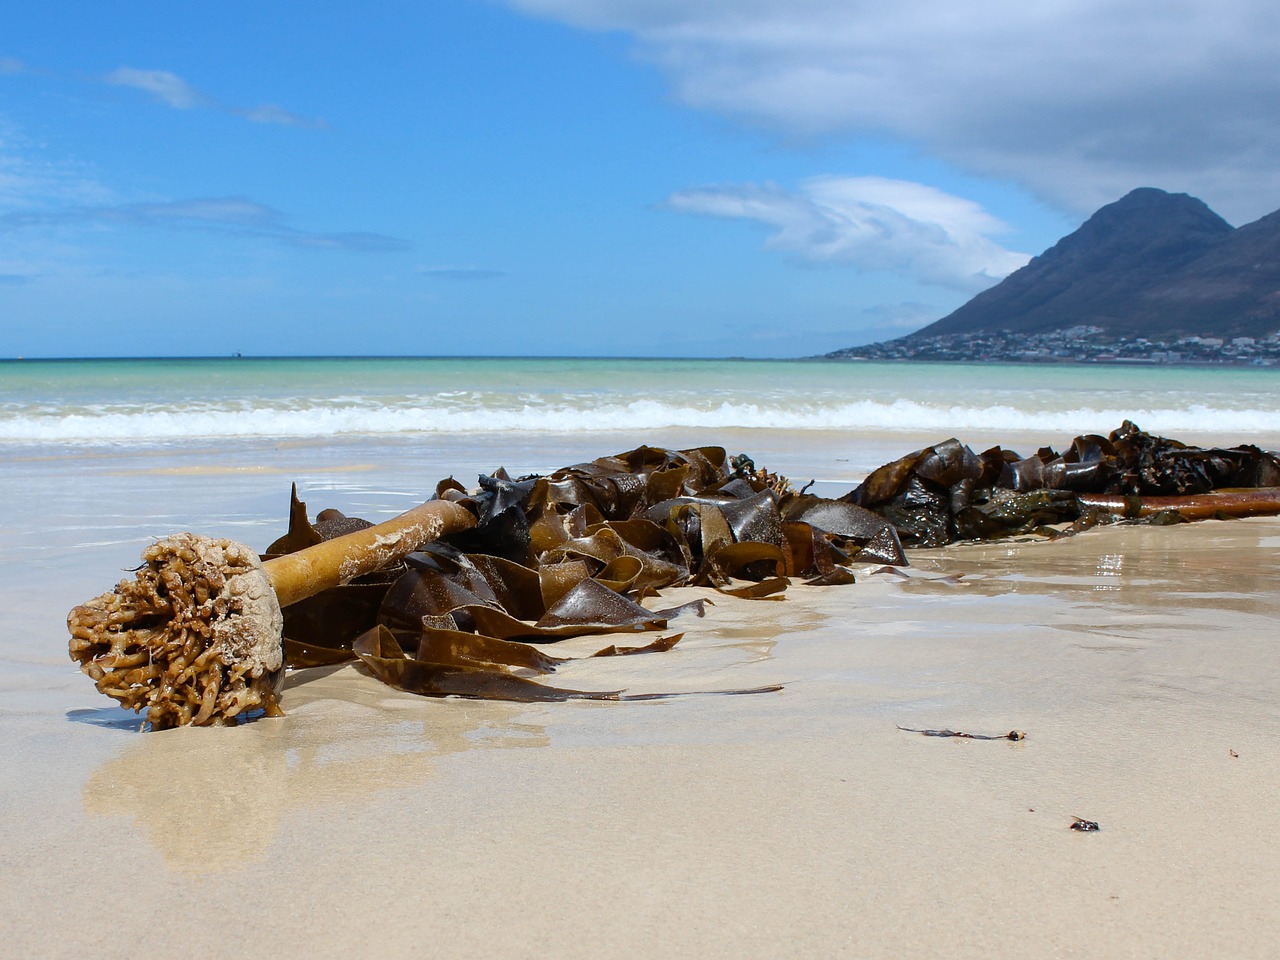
(575, 552)
(946, 492)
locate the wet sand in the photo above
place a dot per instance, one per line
(1139, 661)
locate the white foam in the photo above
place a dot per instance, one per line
(309, 418)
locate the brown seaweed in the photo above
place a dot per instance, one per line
(385, 659)
(1011, 735)
(1199, 506)
(572, 554)
(946, 492)
(661, 645)
(577, 551)
(331, 619)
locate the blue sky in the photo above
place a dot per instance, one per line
(594, 177)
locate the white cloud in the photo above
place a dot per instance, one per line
(29, 180)
(171, 90)
(270, 113)
(168, 88)
(231, 211)
(228, 216)
(872, 223)
(1080, 100)
(905, 316)
(61, 199)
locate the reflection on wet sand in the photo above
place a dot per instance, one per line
(1224, 568)
(1166, 614)
(1168, 618)
(214, 799)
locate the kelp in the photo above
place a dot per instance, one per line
(570, 554)
(575, 552)
(427, 675)
(948, 732)
(947, 493)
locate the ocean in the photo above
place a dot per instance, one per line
(157, 402)
(113, 452)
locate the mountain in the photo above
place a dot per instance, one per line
(1152, 264)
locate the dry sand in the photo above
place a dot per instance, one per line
(1141, 662)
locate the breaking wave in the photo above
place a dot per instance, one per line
(312, 418)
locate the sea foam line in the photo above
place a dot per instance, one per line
(322, 420)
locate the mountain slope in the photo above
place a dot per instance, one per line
(1151, 264)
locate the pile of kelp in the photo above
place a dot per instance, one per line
(946, 493)
(570, 554)
(574, 552)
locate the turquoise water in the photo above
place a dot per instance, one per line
(132, 401)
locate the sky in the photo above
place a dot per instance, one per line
(588, 177)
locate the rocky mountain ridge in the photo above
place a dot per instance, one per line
(1152, 266)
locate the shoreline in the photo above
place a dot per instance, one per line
(1060, 362)
(805, 358)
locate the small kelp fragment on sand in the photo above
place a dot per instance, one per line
(387, 661)
(1011, 735)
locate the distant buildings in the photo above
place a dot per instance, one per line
(1078, 344)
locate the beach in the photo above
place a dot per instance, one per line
(1139, 662)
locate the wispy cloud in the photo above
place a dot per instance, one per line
(12, 65)
(351, 241)
(1079, 101)
(36, 192)
(461, 273)
(28, 180)
(169, 88)
(232, 211)
(270, 113)
(173, 91)
(905, 316)
(234, 216)
(871, 223)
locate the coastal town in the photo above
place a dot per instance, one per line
(1078, 344)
